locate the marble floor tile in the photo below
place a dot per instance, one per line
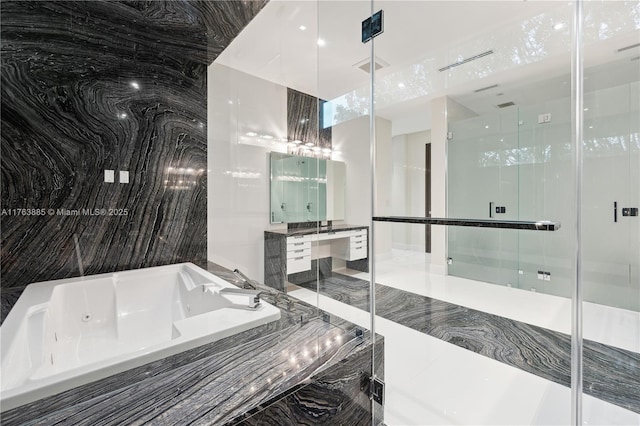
(531, 399)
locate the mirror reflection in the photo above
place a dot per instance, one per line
(306, 189)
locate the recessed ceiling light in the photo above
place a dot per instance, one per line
(486, 127)
(302, 28)
(558, 26)
(321, 42)
(401, 85)
(135, 85)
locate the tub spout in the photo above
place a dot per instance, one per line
(253, 295)
(246, 281)
(277, 295)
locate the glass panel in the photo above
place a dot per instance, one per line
(610, 231)
(487, 86)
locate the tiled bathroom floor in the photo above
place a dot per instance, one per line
(430, 381)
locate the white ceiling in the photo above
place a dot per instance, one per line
(420, 37)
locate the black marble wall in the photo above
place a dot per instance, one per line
(305, 120)
(95, 85)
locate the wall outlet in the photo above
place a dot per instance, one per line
(544, 275)
(124, 176)
(109, 176)
(449, 261)
(520, 272)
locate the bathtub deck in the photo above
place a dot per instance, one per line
(240, 379)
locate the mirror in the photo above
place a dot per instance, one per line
(306, 189)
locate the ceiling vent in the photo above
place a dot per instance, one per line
(486, 88)
(622, 49)
(464, 61)
(365, 64)
(505, 105)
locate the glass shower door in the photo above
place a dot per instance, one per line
(457, 75)
(611, 198)
(484, 178)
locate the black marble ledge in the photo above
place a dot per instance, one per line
(316, 230)
(541, 225)
(314, 403)
(214, 383)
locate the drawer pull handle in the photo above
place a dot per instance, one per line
(298, 251)
(359, 247)
(299, 258)
(358, 242)
(298, 244)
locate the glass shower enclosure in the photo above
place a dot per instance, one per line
(521, 118)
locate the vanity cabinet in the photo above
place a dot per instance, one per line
(298, 254)
(290, 252)
(350, 245)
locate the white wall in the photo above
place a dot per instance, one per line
(238, 172)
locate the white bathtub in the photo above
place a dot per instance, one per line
(65, 333)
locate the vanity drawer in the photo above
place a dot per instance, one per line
(300, 239)
(297, 252)
(357, 252)
(297, 243)
(358, 241)
(298, 264)
(359, 235)
(300, 245)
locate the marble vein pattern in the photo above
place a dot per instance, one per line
(89, 86)
(610, 374)
(304, 120)
(308, 405)
(227, 381)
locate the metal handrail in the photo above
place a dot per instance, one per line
(539, 225)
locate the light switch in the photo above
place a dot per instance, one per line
(109, 176)
(544, 118)
(124, 176)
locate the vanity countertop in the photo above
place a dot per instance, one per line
(314, 230)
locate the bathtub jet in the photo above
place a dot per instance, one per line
(65, 333)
